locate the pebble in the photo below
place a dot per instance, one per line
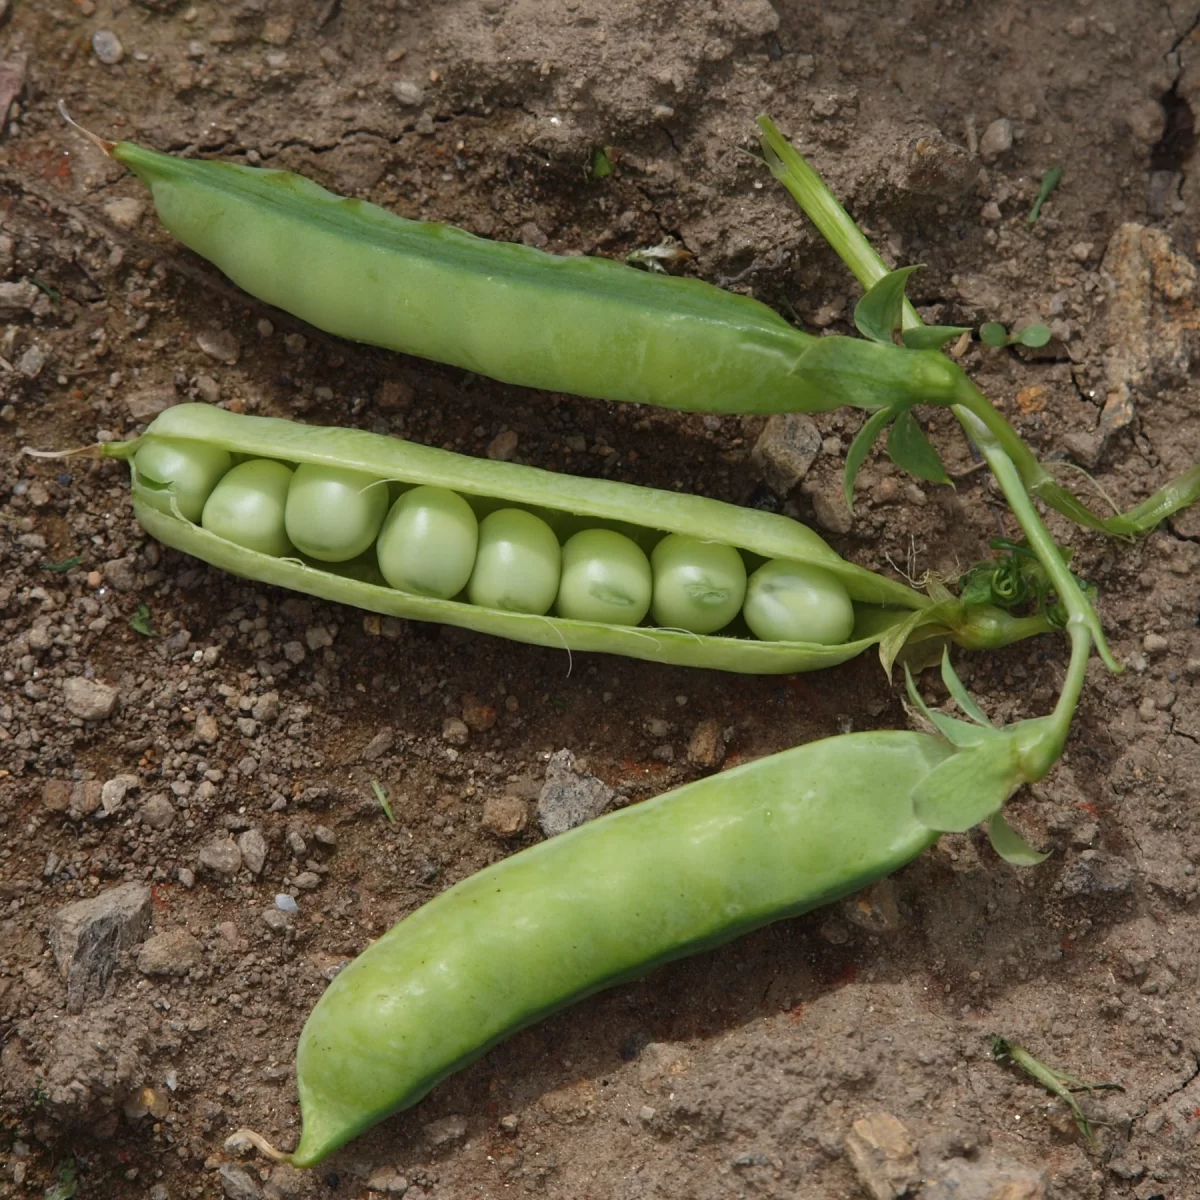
(114, 791)
(30, 363)
(253, 847)
(446, 1130)
(173, 952)
(379, 745)
(17, 298)
(987, 1181)
(186, 877)
(89, 699)
(207, 389)
(158, 812)
(568, 797)
(882, 1153)
(476, 715)
(121, 574)
(307, 880)
(207, 730)
(786, 449)
(1147, 120)
(1155, 644)
(87, 936)
(237, 1183)
(455, 732)
(505, 816)
(219, 344)
(997, 139)
(149, 402)
(296, 843)
(991, 213)
(829, 508)
(318, 638)
(106, 46)
(221, 856)
(503, 446)
(706, 746)
(410, 94)
(275, 920)
(1095, 873)
(387, 1179)
(325, 837)
(286, 903)
(124, 211)
(277, 31)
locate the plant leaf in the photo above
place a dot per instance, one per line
(864, 439)
(1010, 845)
(957, 733)
(969, 786)
(992, 333)
(912, 451)
(878, 314)
(1033, 336)
(962, 697)
(932, 337)
(141, 623)
(1050, 180)
(382, 796)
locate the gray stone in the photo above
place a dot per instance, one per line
(30, 363)
(455, 731)
(569, 798)
(207, 730)
(997, 139)
(238, 1184)
(379, 745)
(883, 1156)
(387, 1179)
(987, 1181)
(17, 298)
(120, 573)
(446, 1130)
(1095, 873)
(307, 880)
(87, 936)
(89, 698)
(325, 836)
(410, 94)
(174, 952)
(114, 791)
(785, 450)
(149, 402)
(706, 746)
(276, 921)
(221, 856)
(106, 46)
(829, 507)
(158, 812)
(219, 344)
(253, 846)
(124, 211)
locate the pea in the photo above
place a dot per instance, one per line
(605, 577)
(185, 470)
(698, 585)
(333, 514)
(517, 565)
(790, 601)
(247, 506)
(427, 544)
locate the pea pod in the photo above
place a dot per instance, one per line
(885, 611)
(588, 326)
(597, 906)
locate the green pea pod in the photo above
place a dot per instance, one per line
(597, 906)
(589, 326)
(886, 612)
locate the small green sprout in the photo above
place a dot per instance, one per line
(61, 568)
(992, 333)
(65, 1186)
(382, 796)
(1053, 1081)
(602, 163)
(1050, 180)
(141, 623)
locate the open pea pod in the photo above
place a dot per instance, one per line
(886, 613)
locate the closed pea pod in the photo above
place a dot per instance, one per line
(882, 607)
(600, 905)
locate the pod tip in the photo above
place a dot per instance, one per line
(100, 143)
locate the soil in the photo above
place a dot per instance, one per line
(155, 713)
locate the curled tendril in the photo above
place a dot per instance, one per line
(1014, 578)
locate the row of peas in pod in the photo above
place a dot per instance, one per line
(429, 541)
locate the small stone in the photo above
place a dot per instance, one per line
(379, 745)
(1155, 644)
(17, 298)
(410, 94)
(1147, 120)
(446, 1130)
(208, 390)
(476, 715)
(158, 812)
(277, 31)
(276, 921)
(106, 46)
(785, 450)
(505, 816)
(86, 937)
(318, 638)
(1077, 27)
(307, 881)
(503, 446)
(295, 653)
(997, 139)
(89, 699)
(266, 707)
(1095, 873)
(325, 837)
(706, 746)
(510, 1124)
(883, 1156)
(121, 574)
(56, 795)
(253, 847)
(237, 1183)
(568, 797)
(988, 1181)
(455, 732)
(114, 791)
(219, 344)
(173, 952)
(829, 508)
(186, 877)
(149, 402)
(30, 363)
(221, 856)
(991, 213)
(207, 730)
(286, 903)
(387, 1179)
(124, 211)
